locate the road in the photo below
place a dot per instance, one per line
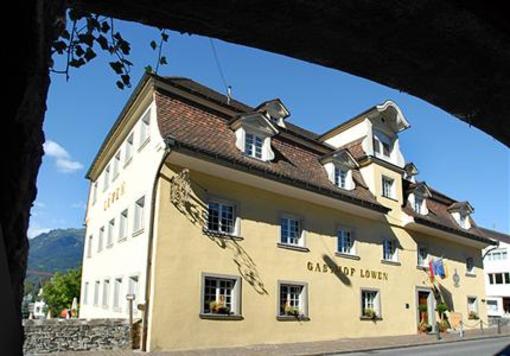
(485, 347)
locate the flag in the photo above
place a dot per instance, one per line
(431, 270)
(439, 268)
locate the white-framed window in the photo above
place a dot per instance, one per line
(370, 303)
(116, 165)
(128, 153)
(291, 232)
(138, 222)
(123, 225)
(133, 286)
(100, 239)
(462, 220)
(388, 187)
(111, 232)
(472, 303)
(341, 177)
(345, 241)
(470, 265)
(96, 292)
(383, 145)
(221, 217)
(85, 293)
(253, 145)
(221, 295)
(418, 203)
(422, 255)
(497, 255)
(492, 306)
(106, 292)
(293, 299)
(106, 178)
(145, 127)
(94, 193)
(89, 246)
(499, 278)
(390, 250)
(117, 287)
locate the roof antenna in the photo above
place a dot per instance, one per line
(229, 93)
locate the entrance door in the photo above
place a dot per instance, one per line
(506, 305)
(423, 305)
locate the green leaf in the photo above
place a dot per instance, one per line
(149, 69)
(164, 36)
(86, 38)
(103, 42)
(79, 50)
(65, 34)
(120, 85)
(105, 27)
(77, 63)
(60, 46)
(163, 61)
(154, 45)
(89, 54)
(126, 79)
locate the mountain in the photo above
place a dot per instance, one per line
(55, 251)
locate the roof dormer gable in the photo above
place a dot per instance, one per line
(339, 166)
(275, 111)
(410, 171)
(253, 135)
(390, 116)
(461, 212)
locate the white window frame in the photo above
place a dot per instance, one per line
(94, 193)
(342, 234)
(472, 307)
(303, 305)
(85, 299)
(116, 165)
(222, 205)
(470, 271)
(106, 178)
(123, 224)
(97, 286)
(106, 293)
(133, 287)
(392, 188)
(100, 239)
(393, 247)
(130, 145)
(252, 149)
(375, 305)
(110, 233)
(424, 262)
(139, 215)
(301, 234)
(89, 245)
(235, 294)
(339, 182)
(379, 141)
(145, 126)
(117, 293)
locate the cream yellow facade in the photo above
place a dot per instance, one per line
(183, 252)
(175, 152)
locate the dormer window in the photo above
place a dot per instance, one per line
(339, 166)
(460, 212)
(253, 145)
(253, 135)
(341, 177)
(383, 145)
(418, 195)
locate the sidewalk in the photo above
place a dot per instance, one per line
(321, 347)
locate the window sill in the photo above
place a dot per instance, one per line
(390, 198)
(292, 318)
(138, 232)
(292, 247)
(391, 263)
(115, 177)
(122, 239)
(348, 256)
(470, 274)
(128, 162)
(255, 158)
(369, 318)
(147, 140)
(109, 245)
(220, 317)
(222, 235)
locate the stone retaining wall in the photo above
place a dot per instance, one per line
(51, 335)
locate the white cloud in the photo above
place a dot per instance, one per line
(62, 158)
(33, 231)
(79, 205)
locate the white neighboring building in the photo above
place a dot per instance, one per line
(496, 265)
(118, 211)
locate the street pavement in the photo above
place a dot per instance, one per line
(484, 347)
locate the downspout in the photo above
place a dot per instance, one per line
(143, 338)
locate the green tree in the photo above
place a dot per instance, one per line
(59, 291)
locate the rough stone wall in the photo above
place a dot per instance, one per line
(52, 335)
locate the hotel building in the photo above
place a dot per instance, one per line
(232, 226)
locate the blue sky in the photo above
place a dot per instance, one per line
(458, 160)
